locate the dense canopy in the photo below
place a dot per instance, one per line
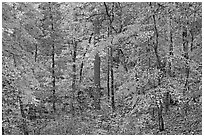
(101, 68)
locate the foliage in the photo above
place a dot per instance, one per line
(54, 54)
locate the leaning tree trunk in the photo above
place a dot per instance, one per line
(97, 81)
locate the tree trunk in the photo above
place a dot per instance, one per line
(110, 17)
(166, 100)
(108, 73)
(73, 77)
(192, 38)
(24, 126)
(112, 81)
(156, 47)
(53, 68)
(97, 81)
(170, 48)
(186, 56)
(159, 105)
(36, 52)
(160, 117)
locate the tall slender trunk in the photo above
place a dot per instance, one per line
(186, 56)
(110, 17)
(170, 47)
(53, 77)
(97, 81)
(112, 80)
(156, 46)
(53, 64)
(160, 120)
(108, 73)
(73, 76)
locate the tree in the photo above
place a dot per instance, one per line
(97, 80)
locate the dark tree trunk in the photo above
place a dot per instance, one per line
(186, 56)
(108, 74)
(159, 105)
(170, 49)
(73, 76)
(24, 126)
(156, 47)
(110, 16)
(3, 131)
(53, 67)
(97, 81)
(112, 81)
(160, 117)
(36, 52)
(53, 77)
(166, 100)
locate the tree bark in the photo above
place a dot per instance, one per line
(73, 76)
(53, 77)
(112, 80)
(97, 81)
(156, 46)
(160, 117)
(110, 17)
(186, 56)
(24, 126)
(161, 121)
(170, 48)
(108, 73)
(53, 65)
(36, 52)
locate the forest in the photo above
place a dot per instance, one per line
(101, 68)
